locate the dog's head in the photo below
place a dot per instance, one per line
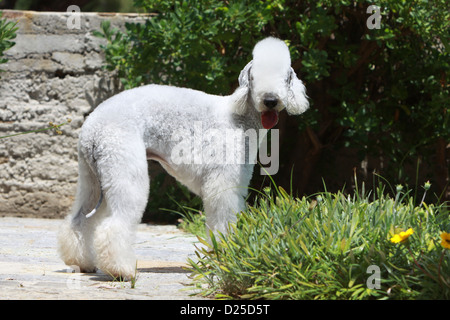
(269, 84)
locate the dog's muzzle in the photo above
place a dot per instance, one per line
(269, 118)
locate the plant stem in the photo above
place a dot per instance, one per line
(35, 131)
(421, 269)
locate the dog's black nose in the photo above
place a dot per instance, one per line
(270, 102)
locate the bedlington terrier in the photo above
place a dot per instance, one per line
(147, 122)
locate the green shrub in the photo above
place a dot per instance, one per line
(322, 248)
(7, 33)
(201, 44)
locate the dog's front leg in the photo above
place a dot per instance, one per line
(221, 210)
(223, 198)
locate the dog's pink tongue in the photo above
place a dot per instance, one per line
(269, 119)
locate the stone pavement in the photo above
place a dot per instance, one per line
(31, 269)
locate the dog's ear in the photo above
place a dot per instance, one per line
(297, 99)
(244, 76)
(240, 96)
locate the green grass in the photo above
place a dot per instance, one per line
(192, 221)
(324, 247)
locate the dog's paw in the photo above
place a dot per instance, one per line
(82, 269)
(88, 270)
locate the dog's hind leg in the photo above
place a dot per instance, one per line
(125, 184)
(75, 234)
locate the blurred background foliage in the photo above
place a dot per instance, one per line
(7, 34)
(379, 97)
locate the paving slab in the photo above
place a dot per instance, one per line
(31, 269)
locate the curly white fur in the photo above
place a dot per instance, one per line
(139, 124)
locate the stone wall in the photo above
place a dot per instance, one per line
(54, 73)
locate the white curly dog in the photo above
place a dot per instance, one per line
(139, 124)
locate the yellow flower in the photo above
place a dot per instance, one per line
(445, 240)
(402, 236)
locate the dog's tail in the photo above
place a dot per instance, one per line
(89, 192)
(99, 203)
